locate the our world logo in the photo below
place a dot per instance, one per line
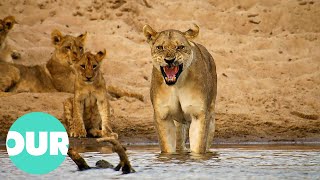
(37, 143)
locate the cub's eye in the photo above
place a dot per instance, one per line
(94, 66)
(81, 48)
(83, 66)
(68, 47)
(180, 47)
(159, 47)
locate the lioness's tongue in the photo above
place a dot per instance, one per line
(171, 71)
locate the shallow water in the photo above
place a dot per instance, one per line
(225, 162)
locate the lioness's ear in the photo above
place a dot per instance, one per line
(149, 33)
(192, 32)
(83, 37)
(100, 55)
(56, 37)
(9, 22)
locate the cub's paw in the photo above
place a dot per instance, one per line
(81, 133)
(114, 135)
(110, 135)
(97, 132)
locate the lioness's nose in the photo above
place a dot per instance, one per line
(169, 60)
(89, 78)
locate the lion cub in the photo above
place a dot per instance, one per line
(89, 110)
(67, 48)
(6, 53)
(183, 89)
(56, 75)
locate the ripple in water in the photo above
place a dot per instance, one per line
(233, 162)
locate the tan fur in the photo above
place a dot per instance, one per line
(67, 48)
(6, 52)
(10, 75)
(89, 110)
(188, 103)
(56, 75)
(25, 78)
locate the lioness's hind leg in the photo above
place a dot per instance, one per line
(211, 132)
(180, 136)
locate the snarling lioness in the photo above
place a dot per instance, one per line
(88, 112)
(183, 89)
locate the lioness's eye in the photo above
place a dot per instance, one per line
(159, 47)
(83, 66)
(180, 47)
(81, 48)
(94, 66)
(68, 47)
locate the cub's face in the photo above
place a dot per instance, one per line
(6, 25)
(171, 51)
(88, 66)
(67, 47)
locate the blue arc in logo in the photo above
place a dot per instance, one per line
(37, 143)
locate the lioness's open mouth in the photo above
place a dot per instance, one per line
(171, 73)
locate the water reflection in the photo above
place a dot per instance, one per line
(224, 162)
(187, 157)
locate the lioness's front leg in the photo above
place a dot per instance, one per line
(76, 127)
(166, 133)
(198, 133)
(104, 111)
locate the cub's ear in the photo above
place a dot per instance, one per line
(100, 55)
(192, 32)
(149, 33)
(9, 22)
(56, 37)
(82, 37)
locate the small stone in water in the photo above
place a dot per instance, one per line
(103, 164)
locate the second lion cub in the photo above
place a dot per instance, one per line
(88, 112)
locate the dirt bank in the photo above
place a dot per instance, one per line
(267, 54)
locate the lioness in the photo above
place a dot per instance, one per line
(89, 110)
(183, 89)
(6, 53)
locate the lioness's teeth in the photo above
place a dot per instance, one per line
(174, 78)
(166, 78)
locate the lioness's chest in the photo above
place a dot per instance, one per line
(178, 102)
